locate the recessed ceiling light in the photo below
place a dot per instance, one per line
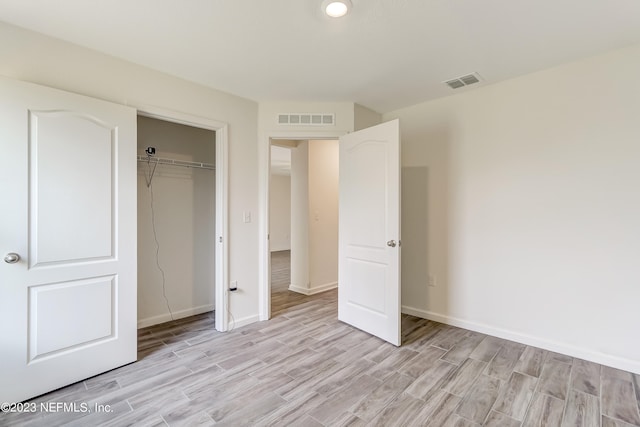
(336, 8)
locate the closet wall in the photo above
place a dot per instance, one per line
(184, 211)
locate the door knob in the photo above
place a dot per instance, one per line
(11, 258)
(391, 243)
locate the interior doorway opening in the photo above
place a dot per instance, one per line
(303, 224)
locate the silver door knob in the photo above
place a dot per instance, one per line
(11, 258)
(391, 243)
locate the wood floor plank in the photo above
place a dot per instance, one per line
(461, 351)
(585, 377)
(348, 420)
(344, 399)
(229, 403)
(394, 361)
(531, 361)
(613, 373)
(581, 410)
(431, 379)
(423, 336)
(342, 377)
(636, 386)
(487, 349)
(515, 396)
(559, 357)
(307, 383)
(144, 417)
(505, 361)
(460, 381)
(294, 411)
(448, 337)
(619, 398)
(401, 412)
(253, 409)
(610, 422)
(554, 379)
(545, 411)
(496, 419)
(456, 420)
(419, 365)
(381, 396)
(480, 399)
(437, 409)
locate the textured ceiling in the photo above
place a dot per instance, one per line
(385, 55)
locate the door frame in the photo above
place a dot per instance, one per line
(222, 200)
(264, 161)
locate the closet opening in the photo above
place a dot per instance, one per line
(177, 241)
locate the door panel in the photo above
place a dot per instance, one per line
(68, 306)
(70, 156)
(369, 269)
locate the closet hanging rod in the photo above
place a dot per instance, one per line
(174, 162)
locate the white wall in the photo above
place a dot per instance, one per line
(300, 218)
(184, 210)
(522, 200)
(314, 216)
(32, 57)
(364, 117)
(280, 213)
(323, 215)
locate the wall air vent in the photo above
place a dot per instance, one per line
(307, 119)
(463, 81)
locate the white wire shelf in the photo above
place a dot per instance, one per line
(173, 162)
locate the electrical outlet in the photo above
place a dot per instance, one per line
(432, 280)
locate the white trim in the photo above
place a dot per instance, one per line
(222, 198)
(558, 347)
(222, 229)
(264, 175)
(244, 321)
(166, 317)
(315, 290)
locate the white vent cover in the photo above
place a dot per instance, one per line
(307, 119)
(463, 81)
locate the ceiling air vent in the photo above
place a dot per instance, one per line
(463, 81)
(307, 119)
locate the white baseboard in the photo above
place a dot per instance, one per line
(279, 248)
(162, 318)
(243, 321)
(558, 347)
(315, 289)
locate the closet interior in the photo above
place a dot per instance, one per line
(176, 221)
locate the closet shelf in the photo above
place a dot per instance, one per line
(174, 162)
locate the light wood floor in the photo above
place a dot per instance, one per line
(304, 368)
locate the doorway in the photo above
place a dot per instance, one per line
(369, 183)
(303, 224)
(176, 221)
(193, 233)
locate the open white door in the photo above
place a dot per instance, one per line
(67, 238)
(369, 231)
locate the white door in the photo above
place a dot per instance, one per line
(67, 238)
(369, 231)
